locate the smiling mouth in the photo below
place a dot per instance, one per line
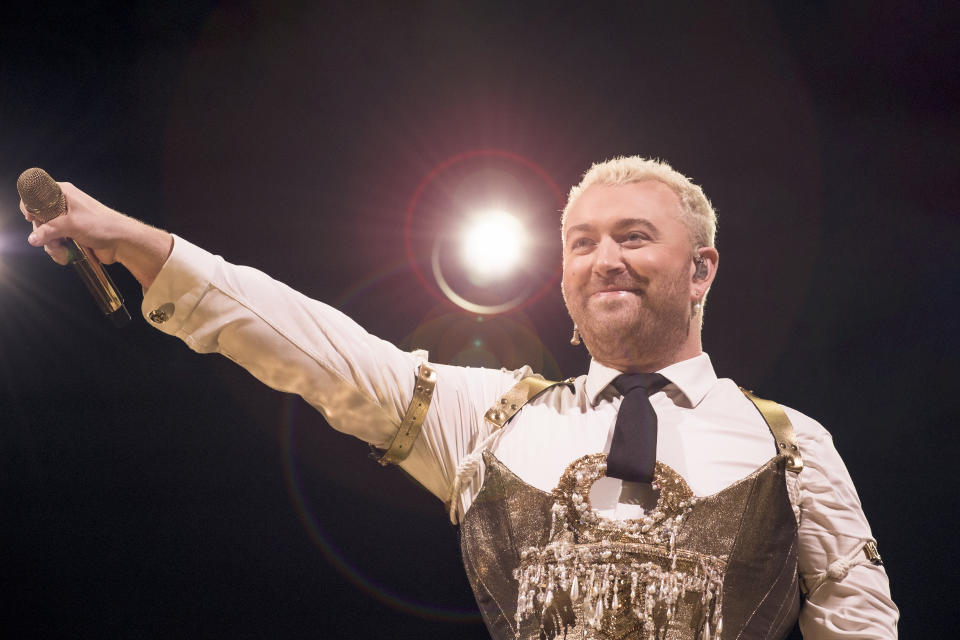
(614, 293)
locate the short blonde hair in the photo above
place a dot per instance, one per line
(698, 213)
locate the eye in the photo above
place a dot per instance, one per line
(580, 243)
(635, 237)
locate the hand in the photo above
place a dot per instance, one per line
(108, 234)
(87, 221)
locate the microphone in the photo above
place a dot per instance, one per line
(44, 200)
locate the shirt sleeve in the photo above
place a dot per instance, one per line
(361, 384)
(848, 597)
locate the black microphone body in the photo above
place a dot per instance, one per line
(44, 200)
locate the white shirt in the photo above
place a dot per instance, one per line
(707, 430)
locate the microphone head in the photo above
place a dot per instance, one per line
(41, 194)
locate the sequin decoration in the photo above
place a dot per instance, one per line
(619, 578)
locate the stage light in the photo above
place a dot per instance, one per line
(481, 220)
(492, 246)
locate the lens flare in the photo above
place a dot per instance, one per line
(336, 557)
(492, 245)
(470, 267)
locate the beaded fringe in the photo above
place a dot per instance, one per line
(603, 574)
(598, 584)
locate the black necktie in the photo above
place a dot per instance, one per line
(633, 451)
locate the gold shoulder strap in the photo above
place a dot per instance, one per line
(412, 421)
(518, 395)
(781, 428)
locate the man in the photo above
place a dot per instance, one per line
(645, 499)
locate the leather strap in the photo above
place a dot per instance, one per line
(416, 413)
(781, 428)
(518, 395)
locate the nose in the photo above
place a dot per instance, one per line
(608, 257)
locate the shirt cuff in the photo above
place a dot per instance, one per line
(179, 287)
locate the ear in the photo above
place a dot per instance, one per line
(703, 271)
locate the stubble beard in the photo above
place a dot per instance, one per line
(642, 331)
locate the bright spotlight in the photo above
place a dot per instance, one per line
(492, 246)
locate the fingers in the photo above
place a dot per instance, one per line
(26, 214)
(50, 237)
(59, 252)
(46, 233)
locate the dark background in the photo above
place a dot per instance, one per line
(151, 492)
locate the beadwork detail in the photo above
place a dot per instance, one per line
(618, 577)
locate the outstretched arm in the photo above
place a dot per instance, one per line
(361, 384)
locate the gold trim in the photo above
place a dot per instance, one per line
(416, 413)
(873, 554)
(518, 395)
(781, 428)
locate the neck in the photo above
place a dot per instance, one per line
(645, 365)
(648, 362)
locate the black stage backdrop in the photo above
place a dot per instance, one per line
(151, 492)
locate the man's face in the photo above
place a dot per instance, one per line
(627, 271)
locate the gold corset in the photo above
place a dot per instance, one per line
(546, 565)
(623, 576)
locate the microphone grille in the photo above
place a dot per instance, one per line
(41, 194)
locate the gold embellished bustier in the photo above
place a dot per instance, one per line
(546, 565)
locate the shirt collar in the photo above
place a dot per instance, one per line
(693, 377)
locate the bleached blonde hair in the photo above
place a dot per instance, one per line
(698, 213)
